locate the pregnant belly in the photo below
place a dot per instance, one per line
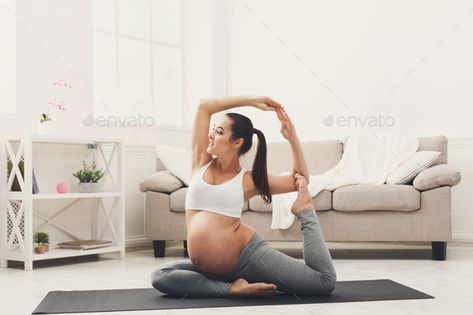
(214, 241)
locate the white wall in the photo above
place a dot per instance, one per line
(324, 58)
(460, 157)
(8, 57)
(53, 42)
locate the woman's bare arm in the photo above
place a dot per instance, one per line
(299, 164)
(218, 104)
(280, 184)
(288, 131)
(200, 139)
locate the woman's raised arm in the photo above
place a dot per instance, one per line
(200, 138)
(209, 106)
(218, 104)
(288, 131)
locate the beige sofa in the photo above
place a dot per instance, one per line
(352, 213)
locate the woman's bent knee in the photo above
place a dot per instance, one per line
(330, 284)
(331, 287)
(323, 289)
(319, 285)
(160, 280)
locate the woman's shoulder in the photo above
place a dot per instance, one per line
(201, 165)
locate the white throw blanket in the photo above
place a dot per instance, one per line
(367, 159)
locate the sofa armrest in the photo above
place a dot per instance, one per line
(163, 181)
(436, 176)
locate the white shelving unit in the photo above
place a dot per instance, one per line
(17, 208)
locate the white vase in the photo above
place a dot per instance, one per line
(88, 187)
(46, 127)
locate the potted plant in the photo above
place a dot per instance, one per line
(88, 177)
(41, 240)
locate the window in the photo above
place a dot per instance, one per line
(8, 58)
(137, 64)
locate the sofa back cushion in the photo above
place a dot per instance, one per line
(435, 143)
(319, 155)
(325, 154)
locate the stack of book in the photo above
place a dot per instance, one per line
(85, 244)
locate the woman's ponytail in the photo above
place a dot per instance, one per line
(260, 173)
(242, 127)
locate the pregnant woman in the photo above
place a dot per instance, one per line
(227, 257)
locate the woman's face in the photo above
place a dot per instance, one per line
(219, 138)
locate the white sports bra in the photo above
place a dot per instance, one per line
(227, 198)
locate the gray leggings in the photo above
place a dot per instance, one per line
(258, 262)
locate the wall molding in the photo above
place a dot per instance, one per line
(136, 241)
(462, 236)
(139, 149)
(460, 142)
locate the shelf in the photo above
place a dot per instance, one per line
(77, 195)
(62, 252)
(19, 206)
(20, 195)
(38, 138)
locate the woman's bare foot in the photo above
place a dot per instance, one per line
(303, 200)
(241, 287)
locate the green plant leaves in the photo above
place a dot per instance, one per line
(41, 238)
(89, 173)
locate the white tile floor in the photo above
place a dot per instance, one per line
(450, 281)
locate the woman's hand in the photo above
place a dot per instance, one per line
(265, 103)
(288, 130)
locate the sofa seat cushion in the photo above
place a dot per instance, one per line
(376, 197)
(323, 201)
(177, 200)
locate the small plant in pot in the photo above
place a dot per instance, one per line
(41, 240)
(88, 177)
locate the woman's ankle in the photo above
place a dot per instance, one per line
(308, 214)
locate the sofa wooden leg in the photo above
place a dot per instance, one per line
(159, 248)
(186, 253)
(439, 250)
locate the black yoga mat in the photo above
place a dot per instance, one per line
(151, 299)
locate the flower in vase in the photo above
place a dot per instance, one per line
(52, 103)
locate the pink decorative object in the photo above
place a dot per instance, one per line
(61, 188)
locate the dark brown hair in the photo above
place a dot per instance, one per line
(242, 127)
